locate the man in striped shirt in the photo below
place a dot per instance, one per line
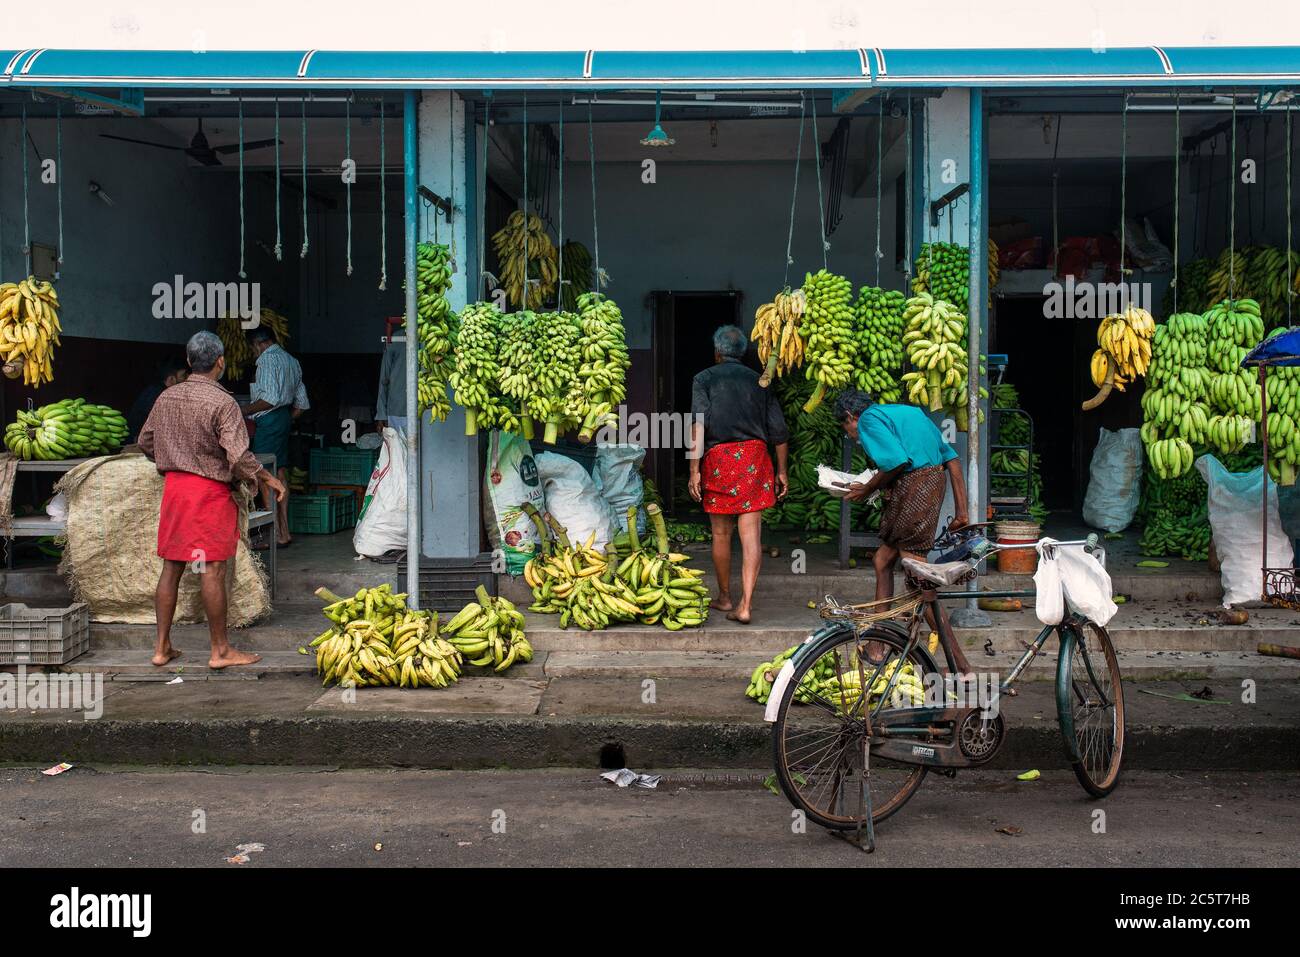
(278, 398)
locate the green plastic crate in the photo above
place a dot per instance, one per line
(341, 466)
(322, 514)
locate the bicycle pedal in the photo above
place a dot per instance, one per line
(948, 772)
(1010, 693)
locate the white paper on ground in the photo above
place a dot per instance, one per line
(625, 777)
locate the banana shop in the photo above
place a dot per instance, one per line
(567, 229)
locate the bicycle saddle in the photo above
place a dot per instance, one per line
(949, 573)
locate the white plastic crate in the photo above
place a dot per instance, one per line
(43, 636)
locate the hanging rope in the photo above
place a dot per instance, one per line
(241, 188)
(907, 189)
(347, 149)
(559, 295)
(925, 184)
(526, 214)
(58, 176)
(880, 144)
(451, 187)
(1178, 140)
(1123, 183)
(27, 225)
(595, 230)
(383, 203)
(303, 254)
(482, 225)
(1232, 206)
(817, 165)
(798, 156)
(1290, 281)
(279, 249)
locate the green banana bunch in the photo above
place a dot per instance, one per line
(604, 362)
(477, 370)
(830, 346)
(879, 314)
(762, 677)
(489, 633)
(67, 429)
(576, 277)
(434, 328)
(943, 271)
(1173, 404)
(516, 346)
(556, 397)
(1193, 287)
(375, 640)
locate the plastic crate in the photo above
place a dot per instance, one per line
(43, 636)
(447, 584)
(358, 492)
(322, 514)
(341, 466)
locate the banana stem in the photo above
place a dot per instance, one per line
(543, 537)
(632, 535)
(1104, 392)
(769, 371)
(816, 399)
(559, 531)
(552, 431)
(656, 516)
(484, 599)
(526, 426)
(471, 421)
(327, 596)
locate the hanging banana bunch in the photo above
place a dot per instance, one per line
(516, 345)
(577, 274)
(522, 231)
(830, 348)
(605, 362)
(477, 370)
(556, 395)
(434, 328)
(880, 348)
(776, 330)
(29, 330)
(1124, 341)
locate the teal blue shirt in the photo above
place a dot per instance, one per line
(895, 435)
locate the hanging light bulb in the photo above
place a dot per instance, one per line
(657, 136)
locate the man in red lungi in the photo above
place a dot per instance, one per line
(736, 420)
(196, 436)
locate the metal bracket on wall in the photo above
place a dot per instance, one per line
(947, 199)
(433, 199)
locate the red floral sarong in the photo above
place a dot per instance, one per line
(198, 519)
(737, 477)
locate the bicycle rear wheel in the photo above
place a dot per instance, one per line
(1090, 706)
(818, 744)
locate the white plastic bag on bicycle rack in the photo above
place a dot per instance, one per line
(1049, 595)
(1087, 585)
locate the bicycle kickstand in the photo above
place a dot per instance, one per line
(865, 843)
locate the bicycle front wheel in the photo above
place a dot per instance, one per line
(1090, 706)
(818, 742)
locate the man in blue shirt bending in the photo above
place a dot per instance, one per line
(912, 457)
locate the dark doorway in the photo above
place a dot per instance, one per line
(684, 323)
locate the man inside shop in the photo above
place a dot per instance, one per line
(278, 398)
(170, 371)
(197, 440)
(390, 404)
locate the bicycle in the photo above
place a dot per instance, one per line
(870, 727)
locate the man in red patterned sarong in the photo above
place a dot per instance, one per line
(736, 420)
(196, 436)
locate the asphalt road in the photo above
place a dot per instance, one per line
(150, 817)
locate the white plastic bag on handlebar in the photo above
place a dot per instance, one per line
(1049, 598)
(1087, 584)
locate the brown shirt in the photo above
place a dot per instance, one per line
(196, 426)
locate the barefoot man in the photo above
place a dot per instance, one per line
(735, 422)
(196, 436)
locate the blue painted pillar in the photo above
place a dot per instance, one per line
(410, 180)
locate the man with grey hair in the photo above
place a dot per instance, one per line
(735, 420)
(195, 435)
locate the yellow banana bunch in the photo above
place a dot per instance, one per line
(489, 633)
(234, 340)
(1125, 337)
(776, 330)
(375, 640)
(540, 273)
(29, 330)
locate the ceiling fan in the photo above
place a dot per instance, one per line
(199, 149)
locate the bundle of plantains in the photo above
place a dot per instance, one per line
(1174, 512)
(830, 347)
(434, 327)
(943, 270)
(842, 690)
(880, 349)
(234, 340)
(375, 640)
(762, 677)
(67, 429)
(489, 632)
(604, 362)
(593, 590)
(528, 258)
(29, 329)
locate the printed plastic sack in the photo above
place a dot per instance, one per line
(1086, 584)
(1049, 594)
(381, 527)
(618, 477)
(1114, 481)
(510, 480)
(1235, 499)
(572, 498)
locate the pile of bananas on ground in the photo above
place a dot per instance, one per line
(830, 347)
(434, 328)
(594, 590)
(556, 395)
(540, 273)
(489, 633)
(577, 277)
(476, 371)
(935, 341)
(776, 330)
(234, 340)
(67, 429)
(1174, 515)
(844, 690)
(1123, 340)
(29, 330)
(605, 361)
(375, 640)
(880, 350)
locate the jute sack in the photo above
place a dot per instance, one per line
(111, 558)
